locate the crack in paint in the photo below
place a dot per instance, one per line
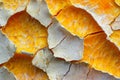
(88, 73)
(59, 42)
(67, 71)
(93, 33)
(114, 20)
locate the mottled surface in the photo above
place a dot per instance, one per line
(27, 34)
(10, 7)
(21, 66)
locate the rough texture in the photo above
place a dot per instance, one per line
(57, 69)
(10, 7)
(101, 54)
(38, 9)
(104, 12)
(84, 72)
(116, 24)
(27, 34)
(55, 34)
(54, 68)
(97, 75)
(21, 66)
(70, 48)
(78, 30)
(55, 6)
(63, 44)
(114, 37)
(78, 22)
(77, 72)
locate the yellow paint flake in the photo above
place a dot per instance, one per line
(26, 33)
(77, 21)
(101, 54)
(21, 66)
(56, 5)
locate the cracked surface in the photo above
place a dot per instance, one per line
(101, 54)
(10, 7)
(83, 72)
(5, 74)
(21, 66)
(96, 47)
(115, 24)
(55, 34)
(7, 48)
(115, 38)
(38, 9)
(71, 48)
(78, 22)
(54, 68)
(27, 34)
(63, 44)
(77, 72)
(55, 6)
(104, 12)
(57, 69)
(97, 75)
(87, 19)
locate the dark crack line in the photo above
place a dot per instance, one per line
(50, 24)
(93, 33)
(88, 73)
(67, 71)
(59, 42)
(114, 20)
(52, 18)
(58, 12)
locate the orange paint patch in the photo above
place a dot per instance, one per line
(115, 37)
(101, 54)
(27, 34)
(21, 66)
(77, 21)
(14, 4)
(56, 5)
(104, 8)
